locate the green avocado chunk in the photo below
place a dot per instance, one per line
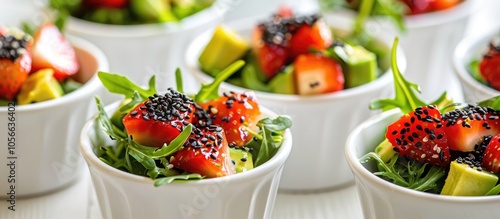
(283, 82)
(242, 159)
(359, 65)
(463, 180)
(225, 47)
(40, 86)
(385, 150)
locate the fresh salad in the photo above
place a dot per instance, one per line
(440, 147)
(485, 70)
(291, 54)
(396, 10)
(126, 12)
(171, 136)
(36, 64)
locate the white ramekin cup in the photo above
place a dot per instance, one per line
(381, 199)
(126, 196)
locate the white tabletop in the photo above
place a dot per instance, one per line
(79, 202)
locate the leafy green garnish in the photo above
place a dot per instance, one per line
(153, 162)
(119, 84)
(406, 97)
(410, 174)
(493, 102)
(211, 91)
(269, 139)
(494, 191)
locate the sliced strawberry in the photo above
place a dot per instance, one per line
(15, 64)
(491, 158)
(206, 152)
(235, 113)
(310, 37)
(437, 5)
(160, 119)
(419, 135)
(317, 74)
(489, 67)
(271, 57)
(106, 3)
(418, 6)
(466, 126)
(52, 50)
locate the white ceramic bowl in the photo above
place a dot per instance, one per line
(429, 42)
(46, 133)
(321, 123)
(468, 49)
(381, 199)
(125, 196)
(140, 51)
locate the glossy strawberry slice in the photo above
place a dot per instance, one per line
(15, 63)
(466, 126)
(271, 57)
(316, 74)
(160, 119)
(206, 152)
(489, 67)
(106, 3)
(417, 6)
(437, 5)
(307, 37)
(235, 113)
(52, 50)
(491, 157)
(419, 135)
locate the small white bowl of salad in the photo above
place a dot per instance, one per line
(474, 61)
(427, 160)
(141, 38)
(430, 29)
(46, 88)
(321, 90)
(186, 156)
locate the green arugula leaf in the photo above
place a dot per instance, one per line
(178, 80)
(104, 121)
(251, 81)
(119, 84)
(165, 150)
(147, 162)
(494, 191)
(406, 98)
(493, 102)
(277, 124)
(269, 138)
(394, 9)
(409, 174)
(211, 91)
(169, 179)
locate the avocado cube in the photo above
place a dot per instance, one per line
(463, 180)
(360, 66)
(224, 48)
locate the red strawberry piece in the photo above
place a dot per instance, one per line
(315, 74)
(284, 12)
(437, 5)
(106, 3)
(271, 57)
(489, 67)
(309, 37)
(15, 64)
(418, 6)
(491, 158)
(160, 119)
(52, 50)
(419, 135)
(465, 127)
(206, 152)
(235, 113)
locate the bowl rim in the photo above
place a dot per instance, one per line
(195, 46)
(77, 25)
(276, 162)
(363, 174)
(466, 46)
(87, 89)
